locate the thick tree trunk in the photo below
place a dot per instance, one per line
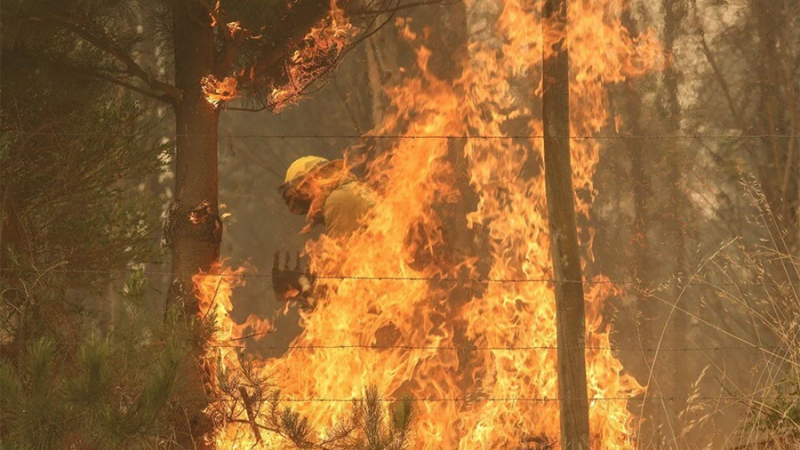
(564, 237)
(196, 230)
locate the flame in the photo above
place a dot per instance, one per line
(234, 28)
(213, 15)
(321, 48)
(217, 91)
(214, 291)
(509, 394)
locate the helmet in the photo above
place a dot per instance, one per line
(302, 166)
(299, 199)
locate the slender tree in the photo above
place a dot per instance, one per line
(677, 212)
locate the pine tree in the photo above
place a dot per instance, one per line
(119, 391)
(71, 159)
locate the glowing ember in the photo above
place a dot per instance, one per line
(216, 92)
(510, 392)
(234, 27)
(213, 16)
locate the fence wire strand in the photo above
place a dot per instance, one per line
(433, 136)
(226, 344)
(504, 399)
(666, 282)
(492, 349)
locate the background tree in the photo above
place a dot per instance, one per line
(73, 156)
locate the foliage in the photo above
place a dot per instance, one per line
(368, 425)
(783, 415)
(773, 304)
(112, 392)
(73, 159)
(72, 152)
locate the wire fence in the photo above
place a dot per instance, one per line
(511, 348)
(665, 282)
(676, 281)
(513, 399)
(434, 136)
(232, 343)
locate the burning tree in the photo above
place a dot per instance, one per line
(268, 52)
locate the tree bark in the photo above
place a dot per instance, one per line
(564, 235)
(3, 203)
(195, 228)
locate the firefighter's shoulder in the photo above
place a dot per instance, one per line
(344, 207)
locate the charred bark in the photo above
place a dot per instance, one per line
(570, 318)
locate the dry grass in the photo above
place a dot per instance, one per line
(754, 286)
(762, 285)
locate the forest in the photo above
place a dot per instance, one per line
(400, 224)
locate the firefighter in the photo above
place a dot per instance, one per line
(327, 194)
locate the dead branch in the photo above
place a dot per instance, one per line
(251, 417)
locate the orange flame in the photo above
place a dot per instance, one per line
(218, 91)
(234, 28)
(508, 393)
(320, 49)
(214, 291)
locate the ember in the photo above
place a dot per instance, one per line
(217, 91)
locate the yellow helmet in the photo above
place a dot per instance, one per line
(302, 166)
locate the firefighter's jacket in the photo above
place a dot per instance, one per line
(345, 207)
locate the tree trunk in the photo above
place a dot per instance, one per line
(778, 164)
(675, 12)
(564, 236)
(3, 203)
(375, 77)
(196, 230)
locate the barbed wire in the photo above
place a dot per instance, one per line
(666, 282)
(503, 399)
(511, 348)
(431, 136)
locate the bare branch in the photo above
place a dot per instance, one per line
(106, 44)
(722, 82)
(101, 76)
(369, 12)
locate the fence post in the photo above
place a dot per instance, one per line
(563, 233)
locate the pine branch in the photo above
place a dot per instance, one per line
(251, 417)
(104, 42)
